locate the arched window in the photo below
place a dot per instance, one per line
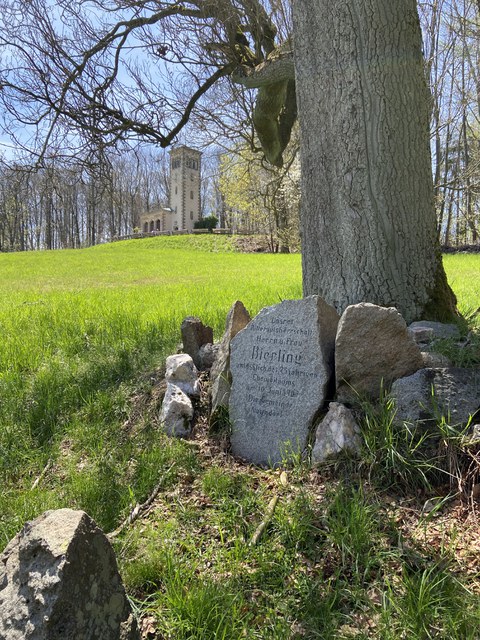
(152, 225)
(145, 227)
(158, 225)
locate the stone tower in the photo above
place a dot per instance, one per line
(185, 165)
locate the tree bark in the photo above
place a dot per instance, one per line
(368, 218)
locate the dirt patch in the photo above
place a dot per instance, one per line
(252, 244)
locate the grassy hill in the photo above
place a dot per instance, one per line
(84, 338)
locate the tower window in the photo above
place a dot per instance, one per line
(191, 164)
(191, 215)
(191, 195)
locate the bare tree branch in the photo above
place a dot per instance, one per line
(122, 70)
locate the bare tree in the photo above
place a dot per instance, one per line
(452, 48)
(76, 71)
(64, 205)
(262, 198)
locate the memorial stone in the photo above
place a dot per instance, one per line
(282, 369)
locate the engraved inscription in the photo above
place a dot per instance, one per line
(279, 364)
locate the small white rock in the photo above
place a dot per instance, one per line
(177, 412)
(182, 372)
(337, 431)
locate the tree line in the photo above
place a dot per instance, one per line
(452, 57)
(71, 205)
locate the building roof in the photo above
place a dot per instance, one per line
(183, 147)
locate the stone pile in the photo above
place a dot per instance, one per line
(288, 377)
(182, 384)
(285, 379)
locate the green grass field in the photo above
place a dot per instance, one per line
(79, 329)
(84, 337)
(463, 271)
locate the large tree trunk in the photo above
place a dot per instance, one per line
(368, 219)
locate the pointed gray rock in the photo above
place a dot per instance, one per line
(373, 347)
(282, 366)
(59, 581)
(220, 376)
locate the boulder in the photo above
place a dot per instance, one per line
(432, 360)
(373, 348)
(194, 335)
(282, 370)
(421, 335)
(59, 581)
(181, 372)
(337, 432)
(220, 376)
(425, 331)
(177, 412)
(430, 393)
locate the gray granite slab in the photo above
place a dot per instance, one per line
(282, 370)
